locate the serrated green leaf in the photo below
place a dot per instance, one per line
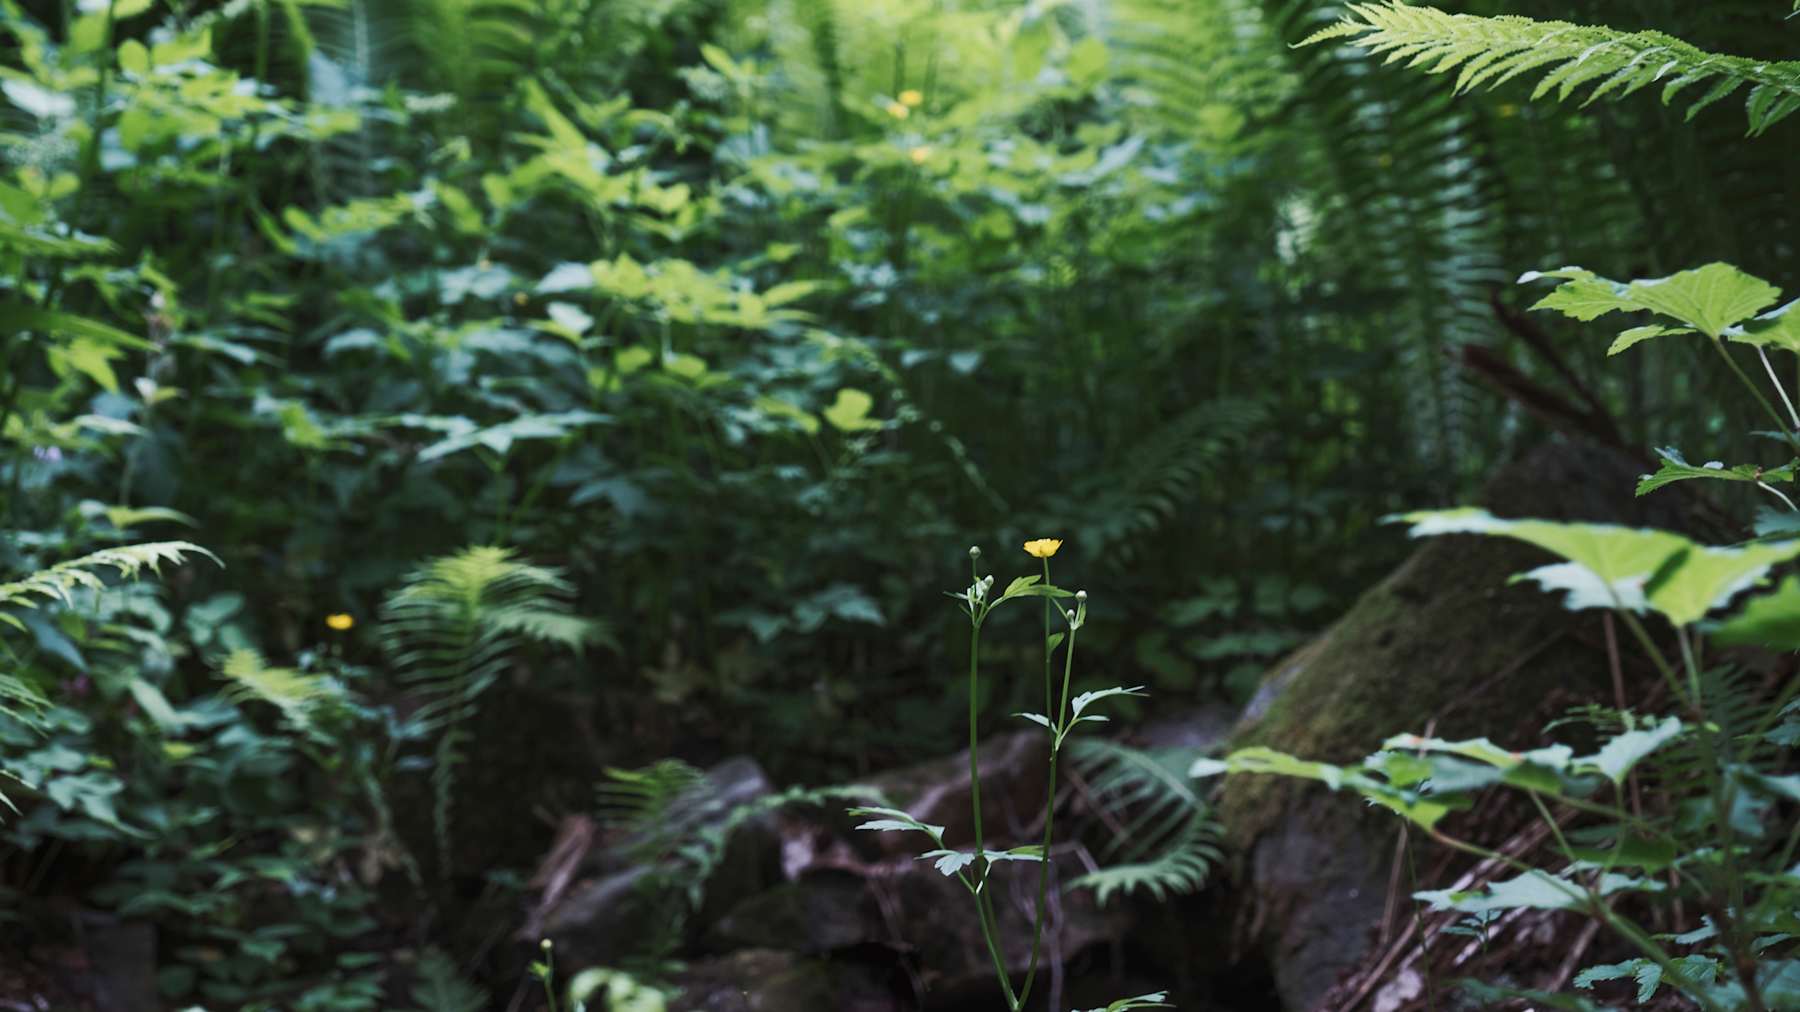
(1676, 468)
(1625, 567)
(1086, 699)
(1708, 299)
(1772, 620)
(1777, 328)
(1637, 335)
(895, 820)
(1616, 758)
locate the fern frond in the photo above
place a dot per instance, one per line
(442, 988)
(59, 582)
(1163, 837)
(1486, 52)
(638, 802)
(1181, 866)
(451, 630)
(302, 698)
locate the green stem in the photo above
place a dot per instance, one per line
(1037, 928)
(1756, 392)
(983, 904)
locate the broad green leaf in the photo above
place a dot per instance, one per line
(1706, 578)
(1638, 335)
(1777, 328)
(1585, 296)
(1676, 468)
(1621, 559)
(1626, 567)
(1616, 758)
(850, 412)
(1708, 299)
(1771, 620)
(1259, 759)
(1535, 890)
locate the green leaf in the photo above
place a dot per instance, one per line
(1709, 299)
(1639, 334)
(1019, 584)
(1624, 567)
(1086, 699)
(850, 412)
(1676, 468)
(1624, 751)
(894, 820)
(1535, 890)
(18, 316)
(1772, 620)
(1777, 328)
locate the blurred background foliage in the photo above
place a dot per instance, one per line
(749, 316)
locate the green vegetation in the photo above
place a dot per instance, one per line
(574, 394)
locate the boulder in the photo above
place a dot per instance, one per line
(1445, 646)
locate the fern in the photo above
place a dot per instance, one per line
(59, 582)
(451, 631)
(441, 988)
(302, 698)
(639, 802)
(1164, 839)
(1489, 51)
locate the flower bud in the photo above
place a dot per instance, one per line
(974, 551)
(1081, 596)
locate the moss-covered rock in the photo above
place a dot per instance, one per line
(1444, 645)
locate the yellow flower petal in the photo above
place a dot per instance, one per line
(898, 111)
(919, 154)
(1043, 548)
(340, 621)
(912, 97)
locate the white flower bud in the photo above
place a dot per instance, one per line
(974, 551)
(1081, 596)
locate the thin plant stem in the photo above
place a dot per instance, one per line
(983, 905)
(1770, 369)
(1793, 438)
(1037, 929)
(1766, 487)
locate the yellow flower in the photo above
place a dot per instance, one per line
(898, 111)
(520, 298)
(919, 154)
(1043, 548)
(340, 621)
(912, 97)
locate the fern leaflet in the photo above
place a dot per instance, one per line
(1489, 51)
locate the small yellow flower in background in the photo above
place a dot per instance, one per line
(1043, 548)
(340, 621)
(919, 154)
(912, 97)
(520, 298)
(898, 111)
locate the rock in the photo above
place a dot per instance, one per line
(1013, 771)
(764, 980)
(603, 918)
(1443, 643)
(823, 910)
